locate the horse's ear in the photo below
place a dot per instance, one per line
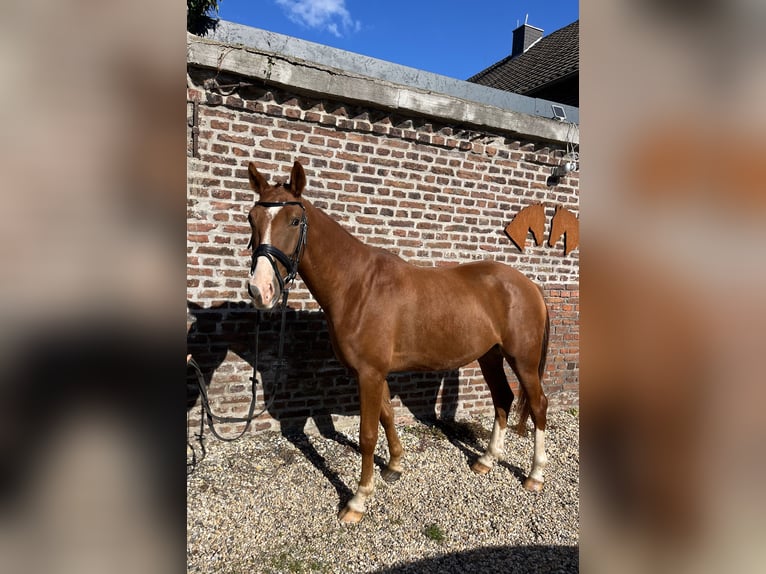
(257, 181)
(297, 179)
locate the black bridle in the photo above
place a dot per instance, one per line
(273, 254)
(291, 264)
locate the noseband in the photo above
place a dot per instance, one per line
(273, 254)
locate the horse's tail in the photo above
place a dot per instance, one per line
(522, 405)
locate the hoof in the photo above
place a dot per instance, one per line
(348, 516)
(533, 485)
(390, 475)
(480, 468)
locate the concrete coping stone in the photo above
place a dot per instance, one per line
(319, 70)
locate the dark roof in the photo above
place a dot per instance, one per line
(552, 58)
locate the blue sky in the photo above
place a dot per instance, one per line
(455, 38)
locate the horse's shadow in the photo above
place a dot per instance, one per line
(313, 384)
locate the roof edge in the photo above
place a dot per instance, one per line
(478, 76)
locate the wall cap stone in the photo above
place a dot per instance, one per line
(283, 61)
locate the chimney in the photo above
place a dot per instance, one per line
(523, 37)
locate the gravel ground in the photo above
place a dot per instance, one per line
(269, 503)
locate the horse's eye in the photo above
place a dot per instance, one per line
(295, 222)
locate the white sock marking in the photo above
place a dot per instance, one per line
(496, 447)
(357, 503)
(540, 459)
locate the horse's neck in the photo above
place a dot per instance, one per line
(332, 259)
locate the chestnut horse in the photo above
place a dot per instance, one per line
(385, 315)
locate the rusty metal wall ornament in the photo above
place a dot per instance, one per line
(531, 218)
(565, 223)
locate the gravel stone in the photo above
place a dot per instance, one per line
(268, 503)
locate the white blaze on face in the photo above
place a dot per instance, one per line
(263, 281)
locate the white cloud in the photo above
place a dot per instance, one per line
(330, 15)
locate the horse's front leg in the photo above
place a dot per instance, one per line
(371, 386)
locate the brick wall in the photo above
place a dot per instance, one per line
(434, 192)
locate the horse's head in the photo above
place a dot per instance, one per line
(278, 223)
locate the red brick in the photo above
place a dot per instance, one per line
(278, 145)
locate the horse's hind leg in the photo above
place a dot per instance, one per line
(537, 403)
(393, 470)
(492, 368)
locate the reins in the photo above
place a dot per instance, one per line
(273, 254)
(213, 418)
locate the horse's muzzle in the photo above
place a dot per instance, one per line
(264, 297)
